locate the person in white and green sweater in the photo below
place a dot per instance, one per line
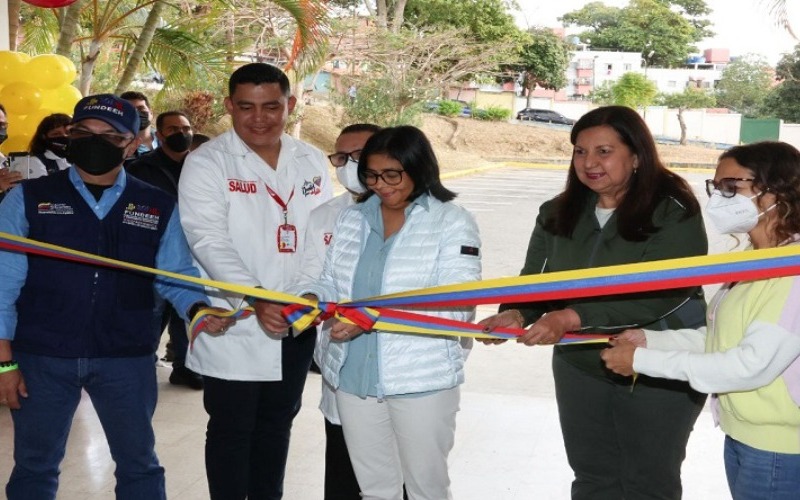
(748, 355)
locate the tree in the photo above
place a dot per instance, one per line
(483, 20)
(744, 85)
(784, 100)
(388, 14)
(645, 25)
(544, 61)
(690, 98)
(633, 90)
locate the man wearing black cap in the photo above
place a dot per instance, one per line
(74, 327)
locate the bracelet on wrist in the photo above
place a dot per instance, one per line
(519, 316)
(8, 366)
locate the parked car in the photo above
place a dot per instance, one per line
(544, 115)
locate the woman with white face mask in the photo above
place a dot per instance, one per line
(748, 355)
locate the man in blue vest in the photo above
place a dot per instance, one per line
(66, 326)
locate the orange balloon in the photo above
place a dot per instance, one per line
(21, 98)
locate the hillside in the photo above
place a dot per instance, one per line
(478, 143)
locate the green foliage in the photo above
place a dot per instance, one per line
(668, 28)
(633, 90)
(492, 113)
(383, 100)
(544, 60)
(744, 85)
(784, 100)
(603, 94)
(690, 98)
(450, 108)
(483, 20)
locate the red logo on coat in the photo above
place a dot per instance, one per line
(240, 186)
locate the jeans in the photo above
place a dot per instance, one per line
(249, 425)
(123, 392)
(761, 475)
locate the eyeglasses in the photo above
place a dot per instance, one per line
(726, 186)
(390, 177)
(340, 159)
(117, 140)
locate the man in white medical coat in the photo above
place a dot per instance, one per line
(245, 200)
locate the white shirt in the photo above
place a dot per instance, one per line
(319, 235)
(231, 223)
(37, 168)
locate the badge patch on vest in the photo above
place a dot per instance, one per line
(240, 186)
(327, 237)
(141, 216)
(54, 209)
(465, 250)
(312, 187)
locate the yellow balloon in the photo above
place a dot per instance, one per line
(15, 144)
(27, 125)
(11, 64)
(61, 100)
(21, 98)
(49, 71)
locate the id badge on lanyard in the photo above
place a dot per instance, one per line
(287, 233)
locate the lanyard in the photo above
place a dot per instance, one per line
(281, 203)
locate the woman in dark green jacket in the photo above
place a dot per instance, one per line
(620, 205)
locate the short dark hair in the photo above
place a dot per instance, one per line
(166, 114)
(258, 73)
(776, 169)
(198, 139)
(409, 146)
(133, 95)
(360, 127)
(38, 143)
(651, 184)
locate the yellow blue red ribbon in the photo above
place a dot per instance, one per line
(379, 312)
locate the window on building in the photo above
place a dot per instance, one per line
(672, 84)
(628, 67)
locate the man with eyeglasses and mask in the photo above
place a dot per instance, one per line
(162, 168)
(73, 326)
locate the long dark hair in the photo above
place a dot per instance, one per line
(651, 183)
(38, 143)
(409, 146)
(776, 169)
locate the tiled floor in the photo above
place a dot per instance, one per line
(508, 443)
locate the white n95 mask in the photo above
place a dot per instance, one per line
(737, 214)
(348, 177)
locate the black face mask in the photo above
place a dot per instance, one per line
(178, 142)
(58, 146)
(3, 136)
(144, 120)
(94, 155)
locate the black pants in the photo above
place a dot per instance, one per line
(340, 480)
(249, 425)
(622, 441)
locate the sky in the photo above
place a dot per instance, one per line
(743, 26)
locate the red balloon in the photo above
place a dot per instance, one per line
(49, 4)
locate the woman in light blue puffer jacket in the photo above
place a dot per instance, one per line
(398, 394)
